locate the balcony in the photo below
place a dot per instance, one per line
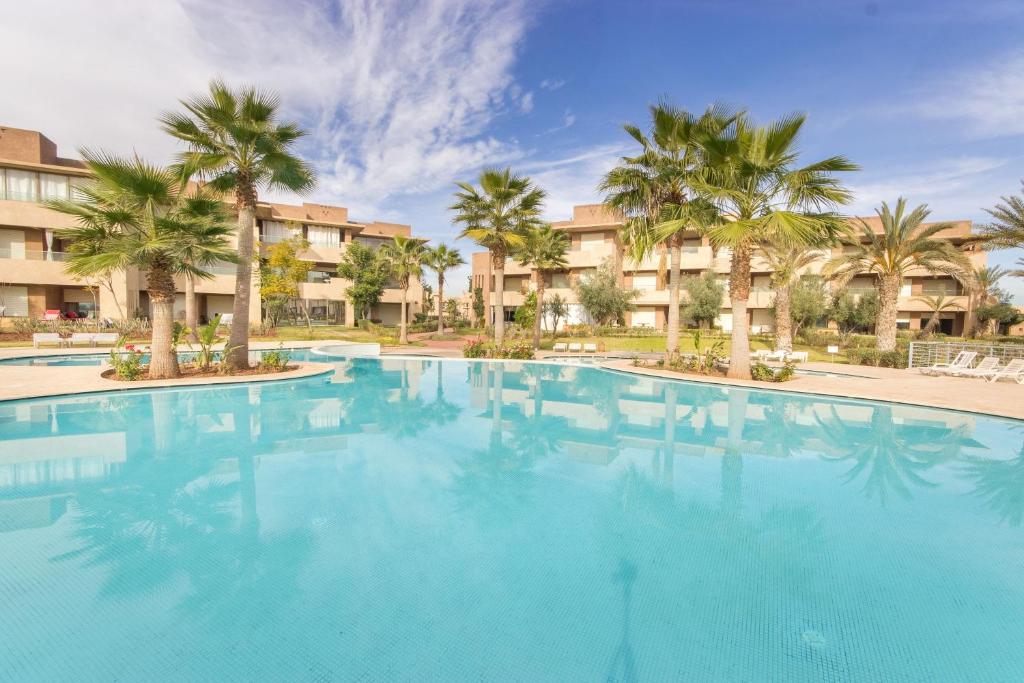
(28, 267)
(692, 258)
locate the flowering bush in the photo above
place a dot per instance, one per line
(475, 348)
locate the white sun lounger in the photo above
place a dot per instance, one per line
(39, 338)
(988, 366)
(575, 347)
(962, 361)
(798, 356)
(105, 338)
(590, 348)
(81, 338)
(1012, 370)
(560, 346)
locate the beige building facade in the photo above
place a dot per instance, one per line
(32, 255)
(593, 232)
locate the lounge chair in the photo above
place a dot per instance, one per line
(590, 348)
(575, 347)
(226, 319)
(86, 338)
(105, 338)
(797, 356)
(1012, 370)
(39, 338)
(988, 366)
(560, 346)
(962, 361)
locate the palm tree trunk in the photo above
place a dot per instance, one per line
(440, 299)
(163, 363)
(498, 262)
(783, 319)
(971, 318)
(539, 314)
(675, 256)
(403, 333)
(739, 292)
(885, 323)
(191, 309)
(238, 340)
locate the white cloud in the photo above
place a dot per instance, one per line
(398, 96)
(990, 98)
(551, 84)
(568, 119)
(573, 179)
(954, 188)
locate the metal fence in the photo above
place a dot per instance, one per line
(923, 354)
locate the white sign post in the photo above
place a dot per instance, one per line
(833, 350)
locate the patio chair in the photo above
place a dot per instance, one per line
(590, 348)
(797, 356)
(39, 338)
(962, 361)
(1012, 370)
(81, 338)
(575, 347)
(226, 319)
(988, 366)
(105, 338)
(560, 346)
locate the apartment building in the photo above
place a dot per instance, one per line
(593, 233)
(32, 254)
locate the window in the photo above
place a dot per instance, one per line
(646, 282)
(274, 232)
(370, 241)
(52, 186)
(21, 185)
(323, 236)
(319, 276)
(77, 183)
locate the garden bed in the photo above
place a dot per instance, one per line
(192, 372)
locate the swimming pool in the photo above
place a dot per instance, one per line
(452, 520)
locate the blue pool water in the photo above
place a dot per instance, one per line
(97, 359)
(416, 519)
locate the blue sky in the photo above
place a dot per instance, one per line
(403, 98)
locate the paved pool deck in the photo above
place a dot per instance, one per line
(1004, 399)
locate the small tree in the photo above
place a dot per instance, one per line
(478, 304)
(451, 310)
(1000, 314)
(441, 259)
(281, 275)
(808, 302)
(602, 298)
(368, 274)
(704, 299)
(557, 308)
(405, 260)
(527, 313)
(851, 314)
(938, 304)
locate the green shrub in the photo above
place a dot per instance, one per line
(878, 359)
(516, 350)
(127, 364)
(275, 361)
(475, 348)
(765, 373)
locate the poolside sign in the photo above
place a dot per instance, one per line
(833, 350)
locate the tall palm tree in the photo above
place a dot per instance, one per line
(764, 197)
(654, 191)
(495, 216)
(939, 304)
(139, 215)
(441, 259)
(904, 243)
(237, 145)
(405, 257)
(787, 262)
(983, 285)
(543, 249)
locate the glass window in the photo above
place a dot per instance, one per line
(52, 186)
(76, 183)
(323, 236)
(274, 232)
(21, 185)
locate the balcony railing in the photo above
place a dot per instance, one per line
(34, 255)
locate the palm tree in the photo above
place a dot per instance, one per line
(236, 143)
(763, 197)
(904, 243)
(405, 257)
(205, 205)
(1007, 229)
(138, 215)
(787, 261)
(938, 304)
(543, 249)
(495, 216)
(984, 288)
(441, 259)
(654, 191)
